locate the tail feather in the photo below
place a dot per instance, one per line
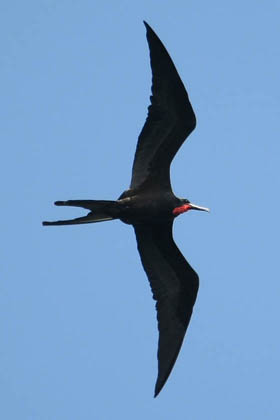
(93, 205)
(101, 211)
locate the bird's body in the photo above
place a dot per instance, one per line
(147, 208)
(151, 207)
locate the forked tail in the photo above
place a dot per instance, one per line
(100, 211)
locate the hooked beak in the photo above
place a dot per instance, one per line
(195, 207)
(187, 207)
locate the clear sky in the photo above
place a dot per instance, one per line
(78, 324)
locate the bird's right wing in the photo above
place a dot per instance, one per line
(174, 285)
(170, 120)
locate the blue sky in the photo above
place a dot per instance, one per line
(78, 324)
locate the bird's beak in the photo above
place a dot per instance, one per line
(195, 207)
(187, 207)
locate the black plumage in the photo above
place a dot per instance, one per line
(151, 207)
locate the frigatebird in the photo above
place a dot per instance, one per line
(150, 206)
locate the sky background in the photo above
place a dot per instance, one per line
(78, 324)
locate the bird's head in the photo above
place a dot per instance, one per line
(185, 205)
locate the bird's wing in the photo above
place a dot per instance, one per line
(170, 120)
(174, 285)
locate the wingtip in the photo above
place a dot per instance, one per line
(159, 385)
(147, 25)
(157, 390)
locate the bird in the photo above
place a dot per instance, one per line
(151, 207)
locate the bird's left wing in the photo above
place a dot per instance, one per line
(174, 285)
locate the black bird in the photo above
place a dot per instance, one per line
(150, 206)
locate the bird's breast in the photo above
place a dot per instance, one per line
(147, 209)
